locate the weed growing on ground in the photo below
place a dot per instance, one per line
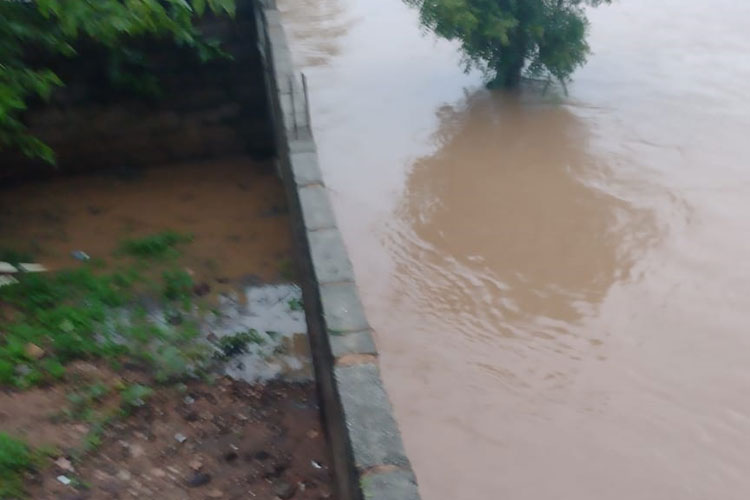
(178, 285)
(160, 245)
(16, 457)
(239, 343)
(95, 312)
(135, 396)
(73, 314)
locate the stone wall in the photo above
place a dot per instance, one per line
(368, 455)
(205, 110)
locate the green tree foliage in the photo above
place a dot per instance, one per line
(545, 38)
(29, 29)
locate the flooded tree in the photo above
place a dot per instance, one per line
(507, 38)
(32, 30)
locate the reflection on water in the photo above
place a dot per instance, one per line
(559, 284)
(507, 198)
(318, 24)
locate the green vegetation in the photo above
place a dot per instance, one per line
(160, 245)
(87, 313)
(232, 345)
(178, 285)
(16, 457)
(546, 39)
(31, 32)
(295, 305)
(97, 312)
(135, 396)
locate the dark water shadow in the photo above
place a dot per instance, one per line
(509, 227)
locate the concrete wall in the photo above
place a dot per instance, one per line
(369, 457)
(205, 110)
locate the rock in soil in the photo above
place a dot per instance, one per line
(64, 464)
(34, 351)
(199, 479)
(283, 490)
(264, 456)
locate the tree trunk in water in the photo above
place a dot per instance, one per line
(510, 66)
(512, 79)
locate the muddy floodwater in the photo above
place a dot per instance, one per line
(559, 284)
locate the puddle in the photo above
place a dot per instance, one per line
(239, 257)
(274, 315)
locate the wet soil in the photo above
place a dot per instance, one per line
(228, 439)
(234, 208)
(238, 441)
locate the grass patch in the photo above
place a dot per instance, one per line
(90, 313)
(239, 343)
(16, 457)
(178, 285)
(295, 305)
(98, 312)
(156, 246)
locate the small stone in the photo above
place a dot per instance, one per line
(188, 400)
(283, 490)
(80, 255)
(180, 438)
(174, 319)
(315, 464)
(33, 351)
(101, 476)
(214, 494)
(136, 450)
(64, 480)
(7, 280)
(23, 370)
(196, 464)
(199, 479)
(191, 416)
(64, 464)
(32, 268)
(7, 268)
(201, 289)
(312, 434)
(157, 472)
(124, 475)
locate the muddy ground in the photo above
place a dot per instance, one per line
(230, 440)
(212, 437)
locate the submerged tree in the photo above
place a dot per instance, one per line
(32, 29)
(544, 38)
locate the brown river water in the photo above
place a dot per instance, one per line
(559, 284)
